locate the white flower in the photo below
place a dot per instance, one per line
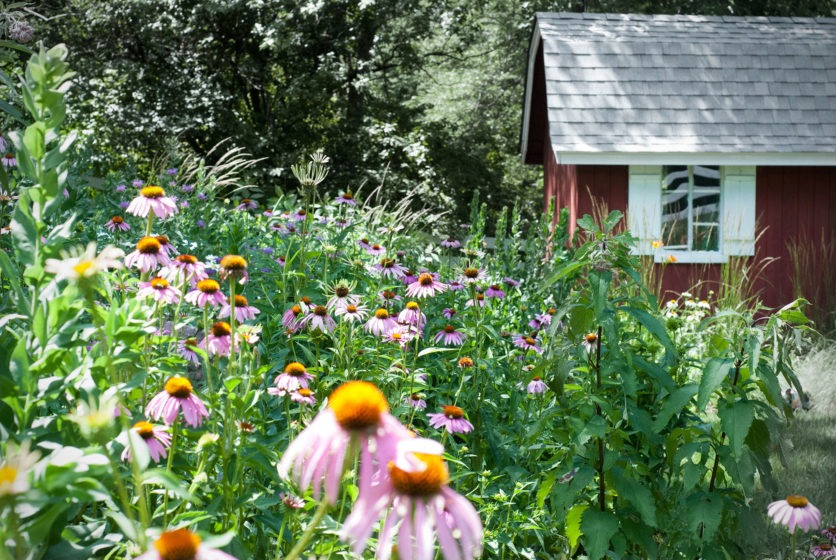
(15, 468)
(79, 264)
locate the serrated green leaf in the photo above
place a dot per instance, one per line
(704, 512)
(736, 419)
(573, 524)
(598, 528)
(545, 488)
(656, 328)
(674, 404)
(713, 374)
(637, 494)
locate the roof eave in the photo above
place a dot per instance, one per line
(803, 159)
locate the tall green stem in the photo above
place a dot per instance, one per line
(309, 532)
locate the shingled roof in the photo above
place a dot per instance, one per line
(642, 89)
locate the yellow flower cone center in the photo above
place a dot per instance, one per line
(296, 309)
(471, 272)
(148, 246)
(412, 306)
(144, 429)
(381, 314)
(180, 544)
(7, 474)
(396, 336)
(178, 387)
(591, 337)
(208, 286)
(187, 259)
(357, 405)
(304, 392)
(240, 301)
(453, 412)
(82, 267)
(426, 279)
(530, 341)
(233, 262)
(152, 192)
(423, 483)
(221, 328)
(797, 501)
(159, 283)
(295, 368)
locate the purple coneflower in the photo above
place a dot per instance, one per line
(234, 266)
(409, 277)
(342, 296)
(388, 296)
(306, 304)
(422, 509)
(117, 222)
(376, 249)
(165, 245)
(299, 216)
(452, 419)
(182, 543)
(536, 386)
(510, 282)
(823, 550)
(346, 198)
(294, 377)
(478, 299)
(156, 438)
(546, 318)
(425, 286)
(342, 223)
(830, 534)
(402, 334)
(415, 401)
(412, 315)
(292, 501)
(455, 286)
(304, 396)
(451, 243)
(176, 396)
(247, 204)
(218, 341)
(494, 291)
(159, 289)
(147, 256)
(527, 343)
(450, 336)
(291, 320)
(206, 291)
(380, 323)
(184, 268)
(364, 243)
(449, 312)
(352, 313)
(319, 318)
(389, 268)
(9, 161)
(243, 310)
(186, 349)
(152, 199)
(471, 275)
(590, 340)
(795, 512)
(280, 260)
(357, 413)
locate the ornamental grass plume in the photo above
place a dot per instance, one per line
(357, 415)
(176, 396)
(152, 199)
(182, 544)
(418, 506)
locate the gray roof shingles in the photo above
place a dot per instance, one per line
(634, 83)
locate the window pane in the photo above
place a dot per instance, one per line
(675, 234)
(706, 238)
(706, 207)
(675, 206)
(675, 177)
(706, 176)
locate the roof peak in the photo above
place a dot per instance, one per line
(615, 17)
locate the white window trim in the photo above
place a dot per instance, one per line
(737, 211)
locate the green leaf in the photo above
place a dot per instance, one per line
(573, 524)
(168, 481)
(704, 512)
(612, 220)
(434, 350)
(139, 450)
(736, 419)
(545, 488)
(33, 139)
(587, 223)
(637, 494)
(24, 231)
(598, 528)
(674, 405)
(655, 327)
(715, 371)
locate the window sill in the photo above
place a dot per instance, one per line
(691, 257)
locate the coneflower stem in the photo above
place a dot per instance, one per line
(602, 483)
(309, 532)
(170, 461)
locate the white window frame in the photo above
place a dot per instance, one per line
(737, 212)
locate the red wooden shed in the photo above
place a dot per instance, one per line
(715, 135)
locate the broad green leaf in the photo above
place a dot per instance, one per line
(637, 494)
(704, 512)
(715, 371)
(612, 220)
(598, 528)
(545, 488)
(139, 449)
(655, 327)
(736, 419)
(674, 404)
(573, 524)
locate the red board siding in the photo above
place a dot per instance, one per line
(792, 203)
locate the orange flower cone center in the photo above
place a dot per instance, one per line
(453, 412)
(426, 279)
(159, 283)
(422, 483)
(148, 246)
(241, 301)
(187, 259)
(449, 329)
(320, 311)
(152, 192)
(304, 392)
(208, 286)
(480, 297)
(221, 328)
(117, 219)
(357, 405)
(296, 309)
(191, 342)
(825, 546)
(295, 369)
(178, 387)
(180, 544)
(797, 501)
(348, 196)
(144, 429)
(591, 337)
(465, 363)
(387, 263)
(376, 247)
(351, 308)
(306, 300)
(388, 295)
(471, 272)
(530, 341)
(233, 262)
(163, 239)
(381, 314)
(495, 287)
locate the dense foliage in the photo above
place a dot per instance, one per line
(577, 416)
